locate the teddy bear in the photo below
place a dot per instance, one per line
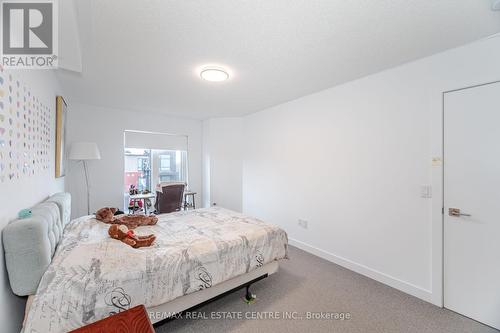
(107, 215)
(127, 236)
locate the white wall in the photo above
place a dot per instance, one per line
(351, 159)
(206, 164)
(26, 192)
(106, 127)
(222, 155)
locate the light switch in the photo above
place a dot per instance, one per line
(426, 191)
(437, 161)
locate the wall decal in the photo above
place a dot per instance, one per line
(25, 132)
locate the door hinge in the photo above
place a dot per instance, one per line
(442, 211)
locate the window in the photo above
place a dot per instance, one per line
(171, 165)
(145, 168)
(165, 163)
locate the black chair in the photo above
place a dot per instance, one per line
(169, 197)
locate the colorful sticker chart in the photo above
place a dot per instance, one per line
(25, 131)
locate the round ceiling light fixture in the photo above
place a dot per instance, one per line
(214, 74)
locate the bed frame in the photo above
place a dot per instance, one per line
(30, 244)
(190, 302)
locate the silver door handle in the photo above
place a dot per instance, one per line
(456, 212)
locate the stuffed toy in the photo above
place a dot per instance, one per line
(135, 205)
(127, 236)
(134, 221)
(133, 190)
(107, 215)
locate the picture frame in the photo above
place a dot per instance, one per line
(61, 116)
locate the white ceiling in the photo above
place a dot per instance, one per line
(144, 55)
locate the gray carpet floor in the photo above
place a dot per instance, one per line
(307, 283)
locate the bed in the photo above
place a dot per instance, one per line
(78, 274)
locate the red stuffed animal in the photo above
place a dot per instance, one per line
(122, 233)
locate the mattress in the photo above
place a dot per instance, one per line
(93, 276)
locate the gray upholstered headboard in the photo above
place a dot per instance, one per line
(30, 243)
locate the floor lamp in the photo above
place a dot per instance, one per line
(85, 151)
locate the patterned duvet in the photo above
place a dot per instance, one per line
(92, 276)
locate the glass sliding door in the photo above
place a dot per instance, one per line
(137, 173)
(138, 169)
(146, 168)
(150, 159)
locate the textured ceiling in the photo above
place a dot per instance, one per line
(144, 55)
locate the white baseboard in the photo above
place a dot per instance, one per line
(406, 287)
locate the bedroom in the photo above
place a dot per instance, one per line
(327, 120)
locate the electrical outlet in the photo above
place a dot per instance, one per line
(303, 223)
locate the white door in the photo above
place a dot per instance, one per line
(472, 187)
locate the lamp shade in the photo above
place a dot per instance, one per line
(84, 151)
